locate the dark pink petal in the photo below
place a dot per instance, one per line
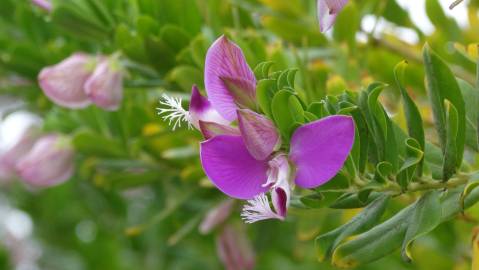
(319, 149)
(327, 12)
(230, 166)
(64, 82)
(280, 170)
(228, 78)
(259, 134)
(202, 110)
(210, 129)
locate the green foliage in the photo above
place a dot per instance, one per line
(141, 186)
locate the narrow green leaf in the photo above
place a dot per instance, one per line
(326, 243)
(426, 216)
(413, 117)
(441, 85)
(450, 156)
(414, 156)
(283, 118)
(265, 91)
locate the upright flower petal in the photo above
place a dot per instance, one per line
(319, 149)
(229, 80)
(231, 167)
(105, 86)
(63, 83)
(327, 12)
(259, 134)
(49, 162)
(202, 110)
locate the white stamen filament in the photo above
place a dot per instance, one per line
(258, 209)
(173, 111)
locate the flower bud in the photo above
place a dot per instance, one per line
(105, 86)
(216, 216)
(64, 82)
(234, 250)
(49, 162)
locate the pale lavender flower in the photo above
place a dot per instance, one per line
(50, 161)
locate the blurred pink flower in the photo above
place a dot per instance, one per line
(10, 158)
(49, 162)
(105, 85)
(64, 82)
(216, 216)
(44, 4)
(234, 250)
(327, 12)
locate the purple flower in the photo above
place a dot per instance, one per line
(246, 162)
(64, 82)
(105, 86)
(44, 4)
(327, 12)
(229, 81)
(49, 162)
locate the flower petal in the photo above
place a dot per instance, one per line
(259, 134)
(319, 149)
(231, 167)
(202, 110)
(226, 64)
(210, 130)
(327, 12)
(281, 190)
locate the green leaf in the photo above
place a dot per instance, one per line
(441, 85)
(383, 170)
(471, 99)
(296, 109)
(450, 156)
(414, 156)
(413, 117)
(283, 118)
(89, 143)
(426, 216)
(265, 91)
(327, 243)
(353, 200)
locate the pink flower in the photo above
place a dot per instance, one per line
(327, 12)
(43, 4)
(234, 250)
(64, 82)
(49, 162)
(105, 86)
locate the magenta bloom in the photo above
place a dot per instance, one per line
(48, 163)
(64, 82)
(229, 81)
(327, 12)
(105, 86)
(245, 161)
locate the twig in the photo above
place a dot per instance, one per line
(455, 3)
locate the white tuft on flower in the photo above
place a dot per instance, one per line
(258, 209)
(173, 111)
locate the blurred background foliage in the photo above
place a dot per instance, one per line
(139, 192)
